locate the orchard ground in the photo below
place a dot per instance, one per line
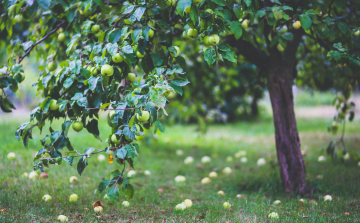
(22, 198)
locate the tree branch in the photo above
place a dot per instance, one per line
(121, 109)
(39, 41)
(250, 52)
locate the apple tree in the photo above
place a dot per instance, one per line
(90, 51)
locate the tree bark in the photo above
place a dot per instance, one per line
(291, 164)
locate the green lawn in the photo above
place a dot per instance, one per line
(21, 197)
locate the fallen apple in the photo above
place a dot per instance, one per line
(46, 197)
(73, 198)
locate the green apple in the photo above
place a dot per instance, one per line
(205, 48)
(177, 52)
(139, 55)
(357, 33)
(166, 94)
(284, 29)
(98, 209)
(95, 28)
(107, 70)
(193, 33)
(118, 58)
(18, 18)
(170, 2)
(151, 23)
(245, 23)
(137, 128)
(94, 71)
(1, 92)
(206, 40)
(197, 1)
(171, 95)
(150, 33)
(214, 39)
(58, 160)
(114, 139)
(22, 77)
(53, 106)
(131, 77)
(89, 68)
(187, 10)
(297, 25)
(52, 66)
(77, 126)
(209, 11)
(280, 48)
(145, 115)
(178, 26)
(61, 37)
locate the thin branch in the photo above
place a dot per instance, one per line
(329, 9)
(76, 155)
(121, 109)
(39, 41)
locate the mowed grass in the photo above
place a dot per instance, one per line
(260, 186)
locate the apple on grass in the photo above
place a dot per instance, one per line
(273, 215)
(101, 158)
(46, 197)
(73, 198)
(98, 209)
(62, 218)
(125, 204)
(205, 180)
(187, 203)
(43, 175)
(131, 173)
(189, 160)
(227, 170)
(147, 172)
(73, 179)
(180, 207)
(213, 175)
(180, 179)
(205, 159)
(33, 175)
(11, 156)
(221, 193)
(226, 205)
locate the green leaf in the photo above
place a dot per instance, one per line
(160, 126)
(115, 35)
(182, 5)
(220, 2)
(210, 55)
(138, 13)
(311, 12)
(229, 55)
(288, 36)
(177, 88)
(247, 2)
(236, 28)
(344, 29)
(121, 153)
(305, 21)
(113, 193)
(44, 4)
(103, 185)
(88, 151)
(129, 191)
(81, 165)
(93, 128)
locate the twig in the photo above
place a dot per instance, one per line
(121, 109)
(76, 155)
(121, 175)
(39, 41)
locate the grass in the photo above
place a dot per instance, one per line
(21, 197)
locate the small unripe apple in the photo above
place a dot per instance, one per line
(284, 29)
(227, 170)
(114, 139)
(226, 205)
(221, 193)
(139, 55)
(189, 160)
(206, 40)
(53, 106)
(62, 218)
(170, 2)
(180, 179)
(33, 175)
(25, 175)
(46, 197)
(95, 28)
(150, 33)
(18, 18)
(51, 66)
(280, 48)
(147, 172)
(197, 1)
(187, 203)
(205, 48)
(43, 175)
(180, 207)
(131, 77)
(297, 25)
(187, 10)
(131, 173)
(94, 71)
(61, 37)
(98, 209)
(213, 175)
(125, 204)
(145, 115)
(214, 39)
(107, 70)
(137, 128)
(357, 33)
(151, 23)
(11, 156)
(205, 159)
(118, 58)
(245, 23)
(205, 180)
(209, 11)
(73, 198)
(77, 126)
(73, 179)
(1, 91)
(58, 160)
(193, 33)
(177, 52)
(178, 26)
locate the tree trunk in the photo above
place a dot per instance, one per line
(291, 164)
(254, 106)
